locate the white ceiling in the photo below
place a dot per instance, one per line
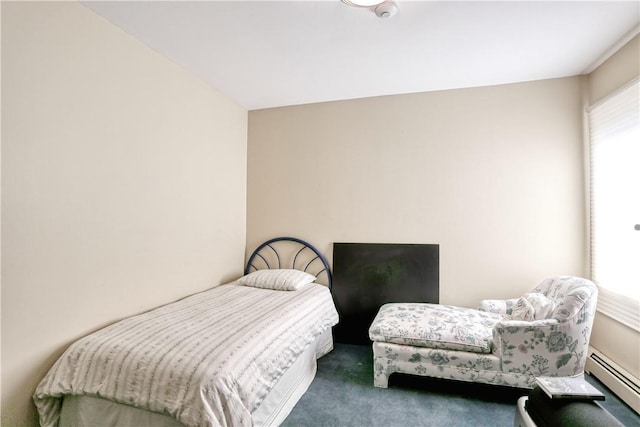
(274, 53)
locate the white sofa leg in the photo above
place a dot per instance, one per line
(380, 373)
(381, 380)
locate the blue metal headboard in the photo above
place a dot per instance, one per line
(307, 258)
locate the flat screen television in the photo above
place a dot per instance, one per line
(368, 275)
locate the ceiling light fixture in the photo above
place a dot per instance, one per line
(382, 9)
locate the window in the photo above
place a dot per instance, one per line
(614, 129)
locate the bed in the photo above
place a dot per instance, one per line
(238, 354)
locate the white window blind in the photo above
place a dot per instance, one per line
(614, 132)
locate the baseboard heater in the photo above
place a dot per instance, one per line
(616, 378)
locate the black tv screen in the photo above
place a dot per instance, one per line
(368, 275)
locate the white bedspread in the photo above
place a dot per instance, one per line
(206, 360)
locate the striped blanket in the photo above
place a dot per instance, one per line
(207, 360)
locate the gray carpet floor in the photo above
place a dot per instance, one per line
(342, 395)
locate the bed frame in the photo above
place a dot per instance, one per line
(301, 256)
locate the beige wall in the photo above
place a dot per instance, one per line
(123, 186)
(494, 175)
(619, 342)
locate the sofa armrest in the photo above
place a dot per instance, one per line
(499, 306)
(540, 347)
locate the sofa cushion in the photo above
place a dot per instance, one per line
(543, 306)
(434, 326)
(532, 306)
(522, 310)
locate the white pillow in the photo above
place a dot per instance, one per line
(277, 279)
(542, 305)
(522, 310)
(532, 306)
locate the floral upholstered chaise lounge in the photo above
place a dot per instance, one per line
(505, 342)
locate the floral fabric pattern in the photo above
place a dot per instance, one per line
(519, 350)
(434, 326)
(502, 307)
(447, 364)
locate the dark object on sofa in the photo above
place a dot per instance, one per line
(547, 412)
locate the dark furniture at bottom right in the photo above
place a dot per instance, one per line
(538, 410)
